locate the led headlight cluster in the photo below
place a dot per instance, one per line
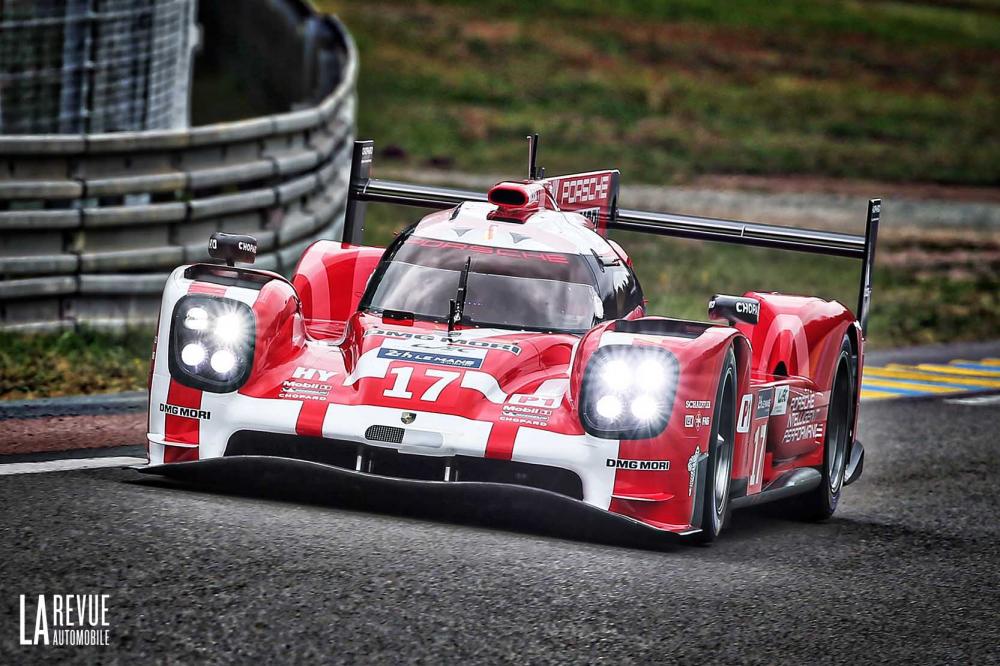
(628, 391)
(211, 343)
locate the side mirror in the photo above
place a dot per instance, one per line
(232, 248)
(733, 309)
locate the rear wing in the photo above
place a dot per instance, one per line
(363, 189)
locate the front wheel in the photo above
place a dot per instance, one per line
(715, 495)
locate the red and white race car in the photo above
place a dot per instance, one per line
(505, 340)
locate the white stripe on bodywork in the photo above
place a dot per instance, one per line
(616, 338)
(583, 454)
(243, 295)
(553, 388)
(485, 384)
(458, 435)
(234, 411)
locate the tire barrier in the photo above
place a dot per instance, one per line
(91, 225)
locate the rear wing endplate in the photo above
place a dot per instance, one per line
(363, 189)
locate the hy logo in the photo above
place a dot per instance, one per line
(408, 417)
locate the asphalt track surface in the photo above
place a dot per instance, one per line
(906, 571)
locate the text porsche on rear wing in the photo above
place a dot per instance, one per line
(600, 204)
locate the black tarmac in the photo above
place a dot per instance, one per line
(907, 571)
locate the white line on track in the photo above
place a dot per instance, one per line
(67, 465)
(975, 400)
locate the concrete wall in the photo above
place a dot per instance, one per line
(91, 225)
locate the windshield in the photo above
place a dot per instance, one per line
(506, 288)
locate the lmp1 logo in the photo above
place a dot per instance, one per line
(186, 412)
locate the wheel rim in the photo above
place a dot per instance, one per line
(724, 451)
(837, 431)
(722, 475)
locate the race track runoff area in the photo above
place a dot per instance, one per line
(895, 380)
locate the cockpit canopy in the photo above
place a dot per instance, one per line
(506, 287)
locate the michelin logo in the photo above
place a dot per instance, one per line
(640, 465)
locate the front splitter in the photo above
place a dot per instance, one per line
(494, 504)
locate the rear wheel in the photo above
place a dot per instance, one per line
(820, 503)
(715, 496)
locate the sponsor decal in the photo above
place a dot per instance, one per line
(799, 433)
(294, 389)
(305, 387)
(313, 373)
(292, 393)
(780, 401)
(431, 358)
(697, 420)
(288, 392)
(443, 342)
(65, 619)
(582, 190)
(525, 414)
(186, 412)
(802, 423)
(639, 465)
(748, 307)
(247, 247)
(759, 445)
(698, 404)
(592, 214)
(532, 400)
(743, 423)
(693, 469)
(764, 401)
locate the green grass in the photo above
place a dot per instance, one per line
(678, 277)
(896, 91)
(911, 305)
(73, 362)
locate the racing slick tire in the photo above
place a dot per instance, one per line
(820, 503)
(715, 499)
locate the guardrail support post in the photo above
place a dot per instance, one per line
(361, 171)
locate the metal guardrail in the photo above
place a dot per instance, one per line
(91, 225)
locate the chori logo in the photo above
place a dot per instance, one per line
(65, 619)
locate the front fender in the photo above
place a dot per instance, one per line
(665, 497)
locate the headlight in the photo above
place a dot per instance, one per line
(628, 391)
(212, 343)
